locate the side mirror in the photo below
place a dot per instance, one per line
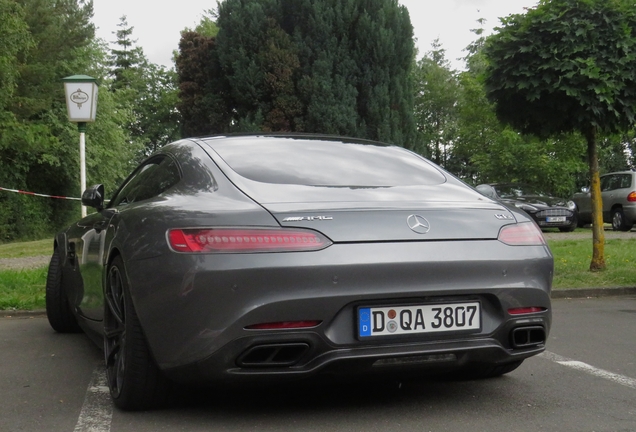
(487, 190)
(585, 189)
(94, 197)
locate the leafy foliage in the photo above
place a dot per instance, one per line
(38, 145)
(126, 56)
(203, 92)
(148, 90)
(567, 65)
(436, 104)
(328, 66)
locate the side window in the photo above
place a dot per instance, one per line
(615, 183)
(626, 181)
(606, 183)
(148, 181)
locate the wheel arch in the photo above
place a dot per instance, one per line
(60, 242)
(615, 206)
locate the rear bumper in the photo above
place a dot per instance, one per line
(195, 309)
(320, 358)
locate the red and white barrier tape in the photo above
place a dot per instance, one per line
(38, 194)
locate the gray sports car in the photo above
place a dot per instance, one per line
(256, 257)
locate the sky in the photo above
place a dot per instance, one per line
(157, 26)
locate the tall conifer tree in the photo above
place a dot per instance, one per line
(326, 66)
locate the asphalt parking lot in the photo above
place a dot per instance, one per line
(586, 381)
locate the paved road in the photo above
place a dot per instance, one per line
(585, 382)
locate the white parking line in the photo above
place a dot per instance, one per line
(620, 379)
(97, 411)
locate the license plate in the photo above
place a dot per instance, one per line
(403, 320)
(555, 219)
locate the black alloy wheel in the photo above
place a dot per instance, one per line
(134, 380)
(58, 309)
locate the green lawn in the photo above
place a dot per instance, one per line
(26, 249)
(24, 289)
(572, 262)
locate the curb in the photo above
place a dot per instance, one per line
(22, 313)
(592, 292)
(556, 294)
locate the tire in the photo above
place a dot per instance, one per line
(58, 309)
(489, 371)
(619, 223)
(134, 381)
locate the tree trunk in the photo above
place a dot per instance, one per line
(598, 233)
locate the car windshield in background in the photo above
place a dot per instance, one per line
(515, 191)
(312, 162)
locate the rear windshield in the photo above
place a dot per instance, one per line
(313, 162)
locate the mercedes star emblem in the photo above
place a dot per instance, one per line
(418, 223)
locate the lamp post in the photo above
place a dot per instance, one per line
(81, 103)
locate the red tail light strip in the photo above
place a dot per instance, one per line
(526, 310)
(245, 240)
(522, 234)
(283, 325)
(631, 197)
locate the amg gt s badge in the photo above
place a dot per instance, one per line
(504, 217)
(306, 218)
(418, 224)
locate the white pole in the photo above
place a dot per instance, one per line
(83, 167)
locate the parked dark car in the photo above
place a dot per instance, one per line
(618, 192)
(271, 257)
(547, 211)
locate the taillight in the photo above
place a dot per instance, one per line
(526, 310)
(284, 325)
(245, 240)
(631, 197)
(522, 234)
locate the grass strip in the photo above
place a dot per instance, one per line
(22, 289)
(572, 264)
(26, 249)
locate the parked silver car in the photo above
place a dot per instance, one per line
(618, 191)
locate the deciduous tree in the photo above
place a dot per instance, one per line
(436, 103)
(567, 65)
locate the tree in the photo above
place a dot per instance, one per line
(567, 65)
(43, 41)
(16, 40)
(127, 57)
(485, 150)
(203, 91)
(149, 90)
(436, 103)
(326, 66)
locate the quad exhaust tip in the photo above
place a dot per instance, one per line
(524, 337)
(273, 355)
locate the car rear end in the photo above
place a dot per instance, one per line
(373, 261)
